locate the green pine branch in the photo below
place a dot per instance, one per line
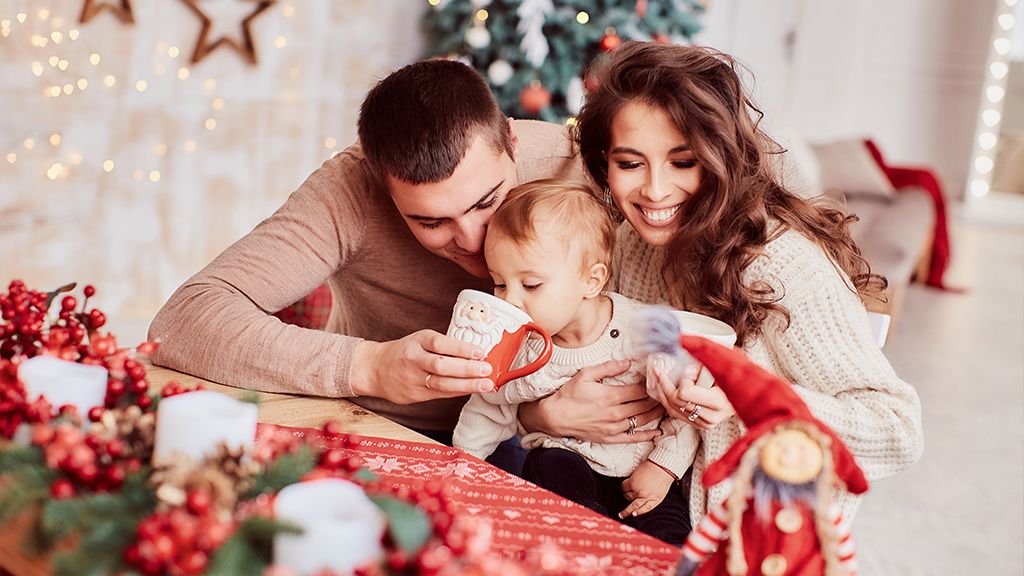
(287, 469)
(250, 548)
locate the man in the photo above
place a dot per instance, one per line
(395, 225)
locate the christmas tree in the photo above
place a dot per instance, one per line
(534, 53)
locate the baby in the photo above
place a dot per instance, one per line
(548, 250)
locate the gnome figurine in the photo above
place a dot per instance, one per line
(780, 518)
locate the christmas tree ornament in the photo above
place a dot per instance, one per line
(641, 8)
(499, 72)
(532, 16)
(534, 98)
(779, 518)
(246, 47)
(480, 3)
(477, 36)
(575, 95)
(93, 7)
(610, 41)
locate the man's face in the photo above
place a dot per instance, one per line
(450, 218)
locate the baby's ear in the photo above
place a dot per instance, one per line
(596, 277)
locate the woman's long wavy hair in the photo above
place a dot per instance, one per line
(727, 220)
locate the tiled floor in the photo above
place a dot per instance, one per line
(961, 509)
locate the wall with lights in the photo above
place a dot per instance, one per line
(124, 164)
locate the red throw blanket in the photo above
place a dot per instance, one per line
(929, 182)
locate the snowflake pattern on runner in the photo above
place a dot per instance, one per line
(522, 514)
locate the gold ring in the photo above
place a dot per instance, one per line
(695, 414)
(426, 382)
(632, 425)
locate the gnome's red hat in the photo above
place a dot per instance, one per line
(763, 401)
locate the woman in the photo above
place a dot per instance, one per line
(673, 138)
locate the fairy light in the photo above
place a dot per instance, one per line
(37, 69)
(29, 143)
(154, 175)
(280, 41)
(482, 15)
(73, 34)
(55, 139)
(288, 10)
(210, 123)
(54, 171)
(109, 80)
(12, 157)
(94, 59)
(56, 36)
(53, 91)
(68, 89)
(433, 2)
(63, 65)
(40, 41)
(141, 85)
(160, 150)
(582, 17)
(76, 158)
(330, 142)
(53, 61)
(210, 84)
(173, 51)
(43, 14)
(189, 145)
(82, 83)
(108, 166)
(218, 103)
(21, 17)
(990, 115)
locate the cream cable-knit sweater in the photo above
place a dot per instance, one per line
(490, 418)
(827, 351)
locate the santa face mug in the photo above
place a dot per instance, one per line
(710, 328)
(500, 329)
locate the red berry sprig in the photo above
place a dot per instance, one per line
(178, 542)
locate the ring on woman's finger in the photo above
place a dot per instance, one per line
(687, 407)
(695, 414)
(426, 381)
(632, 425)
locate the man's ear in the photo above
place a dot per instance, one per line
(596, 278)
(512, 138)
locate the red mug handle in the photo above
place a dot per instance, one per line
(532, 367)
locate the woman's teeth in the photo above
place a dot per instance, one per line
(659, 215)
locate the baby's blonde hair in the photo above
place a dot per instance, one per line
(569, 207)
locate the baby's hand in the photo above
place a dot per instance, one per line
(645, 488)
(660, 380)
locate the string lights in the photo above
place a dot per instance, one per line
(993, 95)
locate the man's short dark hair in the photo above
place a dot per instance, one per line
(417, 123)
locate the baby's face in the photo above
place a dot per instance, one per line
(542, 277)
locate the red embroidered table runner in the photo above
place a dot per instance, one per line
(523, 515)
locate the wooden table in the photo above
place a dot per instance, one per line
(282, 409)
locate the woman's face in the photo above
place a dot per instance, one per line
(651, 170)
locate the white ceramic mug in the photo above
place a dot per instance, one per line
(710, 328)
(500, 329)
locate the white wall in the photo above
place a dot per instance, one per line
(907, 73)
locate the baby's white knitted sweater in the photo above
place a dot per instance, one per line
(827, 351)
(490, 418)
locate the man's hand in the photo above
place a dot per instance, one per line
(586, 409)
(646, 487)
(422, 366)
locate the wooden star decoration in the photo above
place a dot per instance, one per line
(246, 48)
(93, 7)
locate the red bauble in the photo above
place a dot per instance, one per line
(610, 41)
(198, 501)
(534, 98)
(662, 39)
(62, 488)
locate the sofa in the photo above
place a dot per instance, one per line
(901, 226)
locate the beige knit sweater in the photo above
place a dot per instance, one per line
(490, 418)
(827, 351)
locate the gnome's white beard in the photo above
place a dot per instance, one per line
(484, 336)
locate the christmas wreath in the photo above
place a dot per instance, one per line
(100, 504)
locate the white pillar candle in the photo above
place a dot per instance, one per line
(341, 527)
(62, 382)
(195, 423)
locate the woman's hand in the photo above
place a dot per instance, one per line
(422, 366)
(645, 488)
(586, 409)
(704, 408)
